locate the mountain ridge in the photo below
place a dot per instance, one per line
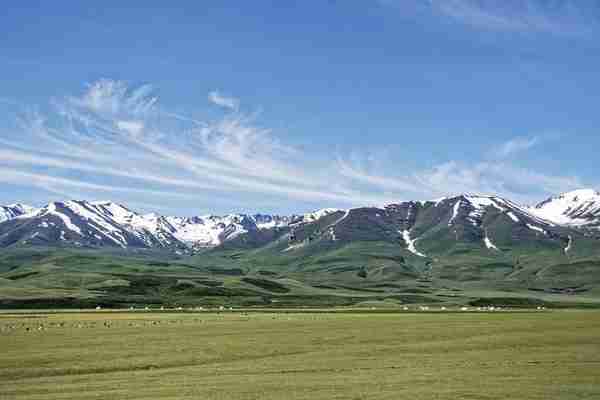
(106, 223)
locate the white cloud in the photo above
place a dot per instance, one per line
(112, 125)
(217, 98)
(562, 17)
(239, 143)
(491, 16)
(134, 128)
(357, 173)
(44, 181)
(113, 133)
(112, 97)
(453, 177)
(20, 158)
(494, 177)
(517, 145)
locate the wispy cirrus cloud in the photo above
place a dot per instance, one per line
(491, 177)
(517, 145)
(112, 98)
(114, 138)
(17, 157)
(113, 132)
(564, 17)
(221, 100)
(495, 177)
(51, 183)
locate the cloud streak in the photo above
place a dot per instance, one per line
(51, 183)
(561, 17)
(117, 138)
(517, 145)
(495, 176)
(112, 125)
(218, 99)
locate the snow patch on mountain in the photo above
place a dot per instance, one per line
(317, 215)
(212, 230)
(480, 204)
(512, 216)
(410, 243)
(536, 228)
(52, 209)
(569, 245)
(439, 201)
(488, 243)
(455, 209)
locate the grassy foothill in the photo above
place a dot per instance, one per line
(300, 355)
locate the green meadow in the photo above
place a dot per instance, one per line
(300, 355)
(358, 275)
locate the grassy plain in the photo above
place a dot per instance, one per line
(300, 355)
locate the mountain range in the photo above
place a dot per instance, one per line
(104, 223)
(471, 218)
(457, 249)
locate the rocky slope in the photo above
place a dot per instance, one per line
(424, 229)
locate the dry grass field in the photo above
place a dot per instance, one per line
(237, 355)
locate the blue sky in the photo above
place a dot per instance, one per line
(217, 107)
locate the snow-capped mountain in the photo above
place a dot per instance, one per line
(15, 210)
(104, 223)
(473, 208)
(86, 224)
(423, 227)
(464, 224)
(316, 215)
(577, 208)
(211, 230)
(488, 222)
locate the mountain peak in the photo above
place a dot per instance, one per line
(317, 214)
(103, 203)
(578, 207)
(477, 196)
(580, 195)
(15, 210)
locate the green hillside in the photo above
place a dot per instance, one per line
(322, 274)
